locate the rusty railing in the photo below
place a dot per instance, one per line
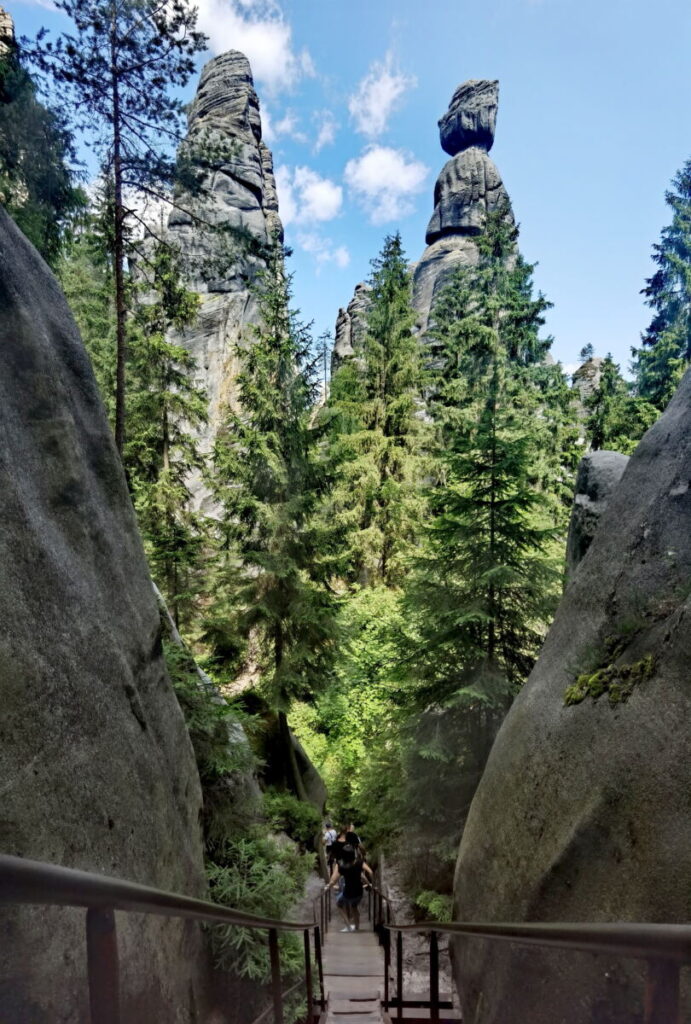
(32, 882)
(665, 948)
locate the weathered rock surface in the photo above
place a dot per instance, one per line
(238, 195)
(598, 474)
(468, 187)
(96, 764)
(351, 325)
(584, 811)
(471, 117)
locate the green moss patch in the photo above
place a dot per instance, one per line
(617, 681)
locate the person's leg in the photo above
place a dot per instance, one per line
(344, 913)
(355, 916)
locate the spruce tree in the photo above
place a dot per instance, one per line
(483, 586)
(268, 590)
(616, 418)
(38, 182)
(117, 70)
(165, 408)
(376, 432)
(666, 345)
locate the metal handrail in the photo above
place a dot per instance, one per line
(33, 882)
(665, 948)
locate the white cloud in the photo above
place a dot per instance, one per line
(384, 182)
(323, 249)
(304, 197)
(258, 28)
(377, 96)
(326, 131)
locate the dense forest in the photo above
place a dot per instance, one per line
(377, 560)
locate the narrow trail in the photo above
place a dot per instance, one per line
(353, 976)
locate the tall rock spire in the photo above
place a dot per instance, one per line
(468, 187)
(237, 200)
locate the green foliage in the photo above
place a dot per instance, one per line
(269, 582)
(435, 906)
(298, 819)
(617, 418)
(617, 681)
(260, 876)
(38, 185)
(165, 408)
(376, 434)
(666, 345)
(483, 586)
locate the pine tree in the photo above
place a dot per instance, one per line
(666, 345)
(483, 586)
(38, 182)
(165, 408)
(376, 432)
(616, 418)
(117, 70)
(268, 590)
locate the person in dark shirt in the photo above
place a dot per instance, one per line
(349, 871)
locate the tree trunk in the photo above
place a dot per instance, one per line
(119, 247)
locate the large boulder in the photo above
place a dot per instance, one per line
(97, 768)
(467, 189)
(598, 474)
(471, 117)
(583, 812)
(351, 326)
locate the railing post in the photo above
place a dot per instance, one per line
(102, 961)
(320, 968)
(434, 978)
(329, 904)
(399, 975)
(387, 967)
(276, 976)
(308, 977)
(662, 993)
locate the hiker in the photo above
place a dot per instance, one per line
(329, 836)
(350, 870)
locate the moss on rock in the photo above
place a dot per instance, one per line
(617, 681)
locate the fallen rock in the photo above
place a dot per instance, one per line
(583, 812)
(471, 117)
(599, 472)
(97, 768)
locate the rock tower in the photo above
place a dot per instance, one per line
(238, 199)
(468, 187)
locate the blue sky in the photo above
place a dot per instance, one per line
(594, 120)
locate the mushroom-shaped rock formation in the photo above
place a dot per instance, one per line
(471, 117)
(583, 812)
(468, 187)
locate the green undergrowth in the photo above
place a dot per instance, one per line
(434, 906)
(247, 868)
(285, 813)
(616, 681)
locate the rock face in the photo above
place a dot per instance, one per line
(238, 195)
(471, 117)
(351, 324)
(583, 812)
(598, 474)
(468, 187)
(97, 767)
